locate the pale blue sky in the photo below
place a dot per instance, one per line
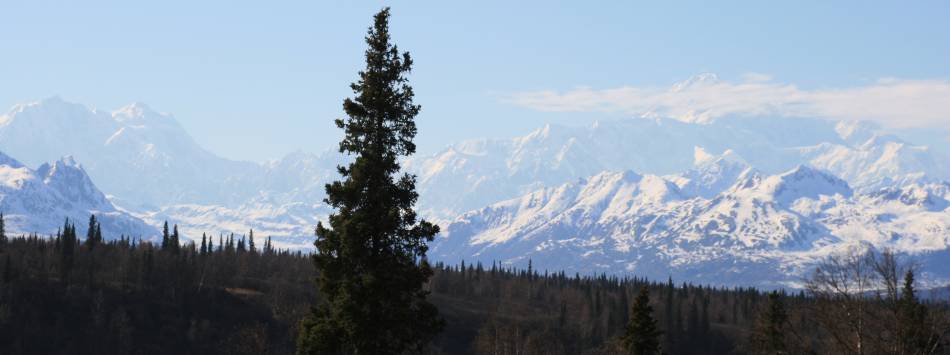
(256, 79)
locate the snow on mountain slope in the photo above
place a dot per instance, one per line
(291, 225)
(135, 153)
(472, 174)
(145, 160)
(765, 230)
(880, 161)
(40, 200)
(152, 168)
(711, 174)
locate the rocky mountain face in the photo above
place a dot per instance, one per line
(761, 229)
(730, 199)
(40, 200)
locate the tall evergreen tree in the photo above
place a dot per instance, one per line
(768, 337)
(914, 335)
(91, 232)
(3, 230)
(165, 236)
(174, 242)
(250, 243)
(371, 258)
(642, 336)
(204, 244)
(669, 314)
(98, 232)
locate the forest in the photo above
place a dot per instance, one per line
(368, 287)
(64, 294)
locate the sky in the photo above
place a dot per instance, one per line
(254, 80)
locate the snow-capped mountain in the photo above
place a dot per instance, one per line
(472, 174)
(40, 200)
(730, 199)
(762, 229)
(153, 168)
(145, 158)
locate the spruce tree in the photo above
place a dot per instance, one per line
(913, 319)
(768, 336)
(250, 242)
(204, 244)
(173, 242)
(98, 233)
(165, 236)
(3, 230)
(371, 257)
(91, 232)
(642, 336)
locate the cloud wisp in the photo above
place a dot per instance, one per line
(890, 102)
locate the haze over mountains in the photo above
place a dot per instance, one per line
(40, 200)
(729, 200)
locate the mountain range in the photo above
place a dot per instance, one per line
(41, 200)
(732, 200)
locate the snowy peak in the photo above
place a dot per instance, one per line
(804, 182)
(697, 81)
(38, 201)
(930, 197)
(68, 178)
(856, 132)
(711, 174)
(138, 113)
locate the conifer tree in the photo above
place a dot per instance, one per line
(204, 244)
(165, 236)
(68, 246)
(3, 230)
(669, 313)
(250, 242)
(913, 319)
(768, 337)
(173, 242)
(642, 336)
(91, 232)
(371, 257)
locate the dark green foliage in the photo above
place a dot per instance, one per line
(93, 233)
(769, 334)
(174, 242)
(152, 302)
(165, 236)
(127, 297)
(3, 231)
(915, 337)
(371, 258)
(642, 336)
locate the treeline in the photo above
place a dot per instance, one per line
(64, 294)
